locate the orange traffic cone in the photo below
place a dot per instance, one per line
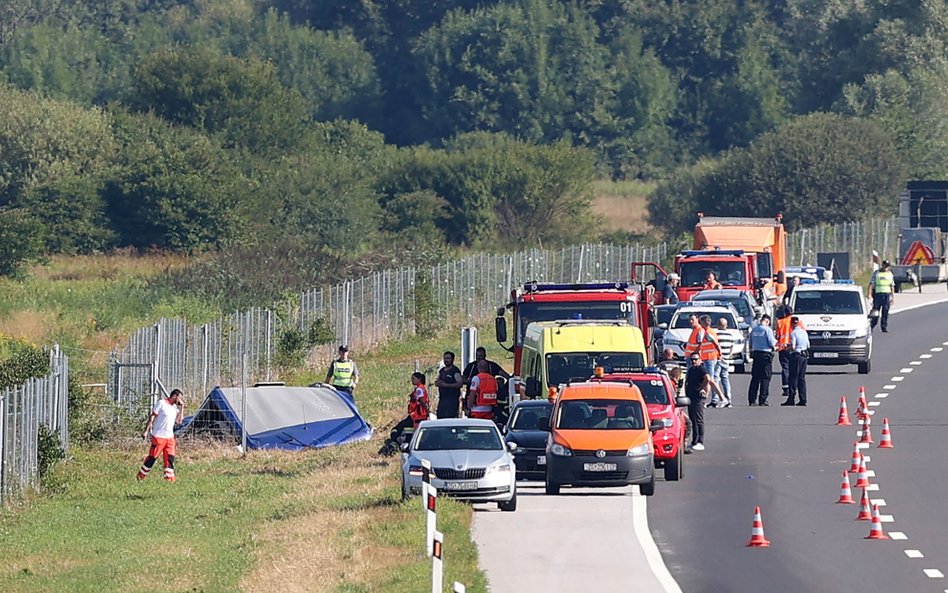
(875, 530)
(866, 432)
(856, 454)
(886, 441)
(862, 406)
(862, 480)
(865, 514)
(843, 413)
(757, 539)
(845, 494)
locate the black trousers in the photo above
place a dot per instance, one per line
(784, 357)
(696, 414)
(761, 371)
(881, 301)
(797, 378)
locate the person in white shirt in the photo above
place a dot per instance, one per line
(161, 423)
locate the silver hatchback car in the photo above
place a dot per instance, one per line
(469, 459)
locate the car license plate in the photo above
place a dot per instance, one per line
(541, 460)
(599, 467)
(460, 485)
(826, 355)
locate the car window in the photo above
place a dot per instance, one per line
(451, 438)
(526, 417)
(826, 301)
(653, 390)
(683, 320)
(739, 302)
(728, 273)
(600, 414)
(665, 314)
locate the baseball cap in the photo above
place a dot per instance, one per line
(343, 348)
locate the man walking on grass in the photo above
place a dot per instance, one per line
(161, 423)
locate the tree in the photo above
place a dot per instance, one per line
(73, 214)
(21, 241)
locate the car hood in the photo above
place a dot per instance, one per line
(530, 439)
(461, 459)
(611, 440)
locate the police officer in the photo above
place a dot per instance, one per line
(799, 352)
(762, 344)
(880, 288)
(343, 373)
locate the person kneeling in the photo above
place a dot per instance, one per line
(418, 411)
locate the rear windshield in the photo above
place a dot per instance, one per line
(653, 390)
(739, 303)
(826, 301)
(600, 414)
(566, 367)
(684, 319)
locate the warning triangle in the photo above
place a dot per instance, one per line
(918, 254)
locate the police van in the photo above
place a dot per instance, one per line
(836, 318)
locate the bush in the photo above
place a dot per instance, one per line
(49, 450)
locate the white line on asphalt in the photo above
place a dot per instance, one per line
(919, 306)
(874, 404)
(933, 573)
(882, 395)
(925, 356)
(866, 458)
(652, 555)
(906, 370)
(897, 378)
(870, 473)
(889, 387)
(872, 487)
(886, 518)
(897, 535)
(944, 343)
(861, 445)
(878, 501)
(914, 554)
(916, 363)
(870, 412)
(936, 349)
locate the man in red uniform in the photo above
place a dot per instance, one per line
(418, 411)
(482, 397)
(166, 414)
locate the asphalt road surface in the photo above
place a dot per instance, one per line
(788, 461)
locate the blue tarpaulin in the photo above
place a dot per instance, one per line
(280, 417)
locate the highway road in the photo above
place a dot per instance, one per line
(691, 535)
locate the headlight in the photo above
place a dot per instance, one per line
(493, 469)
(560, 451)
(862, 332)
(520, 451)
(643, 449)
(667, 422)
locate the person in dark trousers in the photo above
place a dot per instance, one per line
(783, 346)
(697, 384)
(449, 383)
(669, 294)
(343, 373)
(799, 352)
(762, 344)
(880, 289)
(418, 409)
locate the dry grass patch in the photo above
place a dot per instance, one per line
(120, 264)
(28, 325)
(622, 205)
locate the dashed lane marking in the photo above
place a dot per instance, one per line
(878, 501)
(944, 343)
(916, 363)
(933, 573)
(897, 535)
(897, 378)
(914, 554)
(936, 349)
(872, 487)
(861, 445)
(889, 387)
(882, 395)
(870, 473)
(874, 404)
(906, 370)
(925, 356)
(886, 518)
(866, 458)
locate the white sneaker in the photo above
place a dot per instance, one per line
(698, 447)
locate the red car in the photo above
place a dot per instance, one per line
(660, 399)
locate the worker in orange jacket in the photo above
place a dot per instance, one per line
(419, 410)
(784, 328)
(482, 395)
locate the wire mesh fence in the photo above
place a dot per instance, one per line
(23, 410)
(364, 312)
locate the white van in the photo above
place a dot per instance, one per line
(836, 318)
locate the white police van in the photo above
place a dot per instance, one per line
(836, 318)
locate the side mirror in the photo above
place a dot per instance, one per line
(500, 328)
(532, 387)
(682, 400)
(662, 326)
(544, 424)
(655, 426)
(511, 446)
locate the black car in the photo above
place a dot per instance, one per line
(522, 428)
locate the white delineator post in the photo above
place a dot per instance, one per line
(437, 564)
(459, 588)
(431, 524)
(425, 482)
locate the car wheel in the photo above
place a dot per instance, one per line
(552, 488)
(864, 367)
(648, 489)
(510, 505)
(687, 435)
(673, 467)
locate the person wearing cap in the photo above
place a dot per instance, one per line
(343, 373)
(762, 345)
(669, 294)
(799, 352)
(880, 289)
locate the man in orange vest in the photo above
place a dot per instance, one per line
(694, 340)
(418, 411)
(784, 327)
(709, 349)
(482, 396)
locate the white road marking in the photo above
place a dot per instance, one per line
(936, 349)
(870, 412)
(933, 573)
(874, 404)
(906, 370)
(861, 445)
(925, 356)
(878, 501)
(916, 363)
(866, 458)
(882, 395)
(870, 473)
(944, 343)
(888, 387)
(650, 549)
(897, 378)
(872, 487)
(897, 535)
(914, 554)
(886, 518)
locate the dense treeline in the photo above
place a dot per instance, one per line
(342, 126)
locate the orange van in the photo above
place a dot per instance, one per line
(600, 435)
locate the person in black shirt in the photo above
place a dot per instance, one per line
(449, 385)
(471, 369)
(697, 384)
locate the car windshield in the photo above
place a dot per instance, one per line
(826, 301)
(453, 438)
(600, 414)
(683, 320)
(566, 367)
(664, 314)
(728, 273)
(527, 417)
(653, 390)
(743, 309)
(596, 310)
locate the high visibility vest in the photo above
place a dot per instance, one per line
(710, 348)
(486, 392)
(418, 406)
(342, 373)
(784, 330)
(883, 282)
(693, 342)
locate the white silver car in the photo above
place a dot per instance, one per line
(469, 458)
(679, 330)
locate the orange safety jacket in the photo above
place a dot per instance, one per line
(418, 407)
(710, 348)
(486, 395)
(693, 342)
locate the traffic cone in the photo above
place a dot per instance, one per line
(845, 494)
(862, 480)
(866, 432)
(875, 530)
(856, 454)
(843, 413)
(865, 514)
(886, 441)
(863, 406)
(757, 539)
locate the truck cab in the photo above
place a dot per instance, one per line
(733, 269)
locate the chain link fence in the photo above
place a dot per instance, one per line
(365, 312)
(23, 410)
